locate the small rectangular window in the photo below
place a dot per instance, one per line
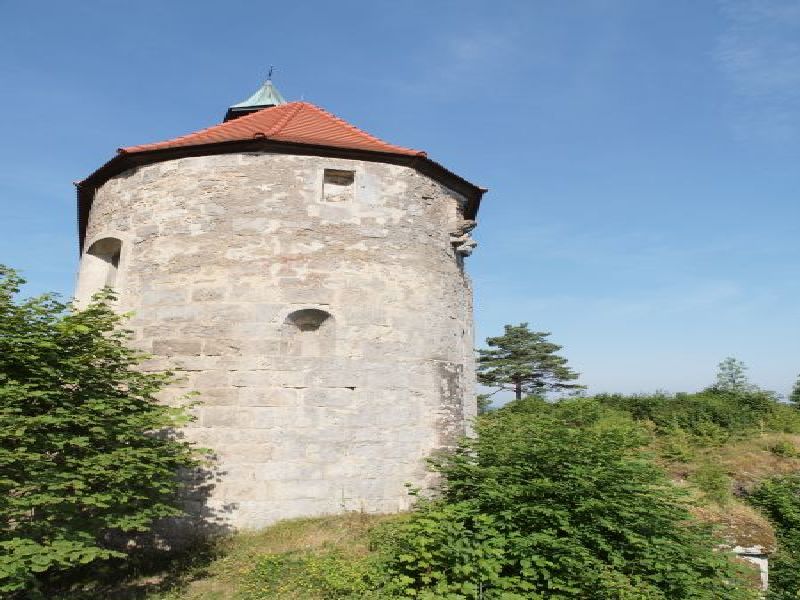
(337, 185)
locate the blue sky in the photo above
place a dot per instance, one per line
(641, 155)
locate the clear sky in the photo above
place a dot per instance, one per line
(642, 155)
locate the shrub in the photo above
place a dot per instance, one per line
(676, 445)
(785, 449)
(714, 482)
(784, 418)
(779, 499)
(79, 454)
(554, 501)
(711, 417)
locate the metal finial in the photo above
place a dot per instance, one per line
(269, 75)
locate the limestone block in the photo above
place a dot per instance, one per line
(268, 312)
(292, 379)
(172, 347)
(208, 294)
(258, 330)
(219, 347)
(177, 313)
(291, 489)
(225, 396)
(164, 296)
(335, 379)
(249, 225)
(243, 490)
(261, 417)
(224, 312)
(268, 396)
(252, 379)
(339, 397)
(218, 416)
(210, 379)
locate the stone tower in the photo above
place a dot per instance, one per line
(307, 279)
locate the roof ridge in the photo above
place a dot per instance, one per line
(284, 121)
(352, 127)
(126, 149)
(210, 129)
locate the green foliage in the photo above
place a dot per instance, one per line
(709, 418)
(484, 403)
(677, 445)
(309, 576)
(783, 418)
(525, 362)
(794, 395)
(779, 498)
(732, 377)
(84, 448)
(784, 448)
(714, 482)
(555, 501)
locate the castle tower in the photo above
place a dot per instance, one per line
(307, 279)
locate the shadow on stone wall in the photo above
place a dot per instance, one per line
(202, 522)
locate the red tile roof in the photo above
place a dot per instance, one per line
(296, 127)
(295, 122)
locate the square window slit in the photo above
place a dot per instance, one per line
(337, 185)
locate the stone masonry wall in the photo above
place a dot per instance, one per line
(330, 339)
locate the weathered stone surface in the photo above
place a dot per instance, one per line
(218, 254)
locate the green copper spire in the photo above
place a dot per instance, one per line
(267, 95)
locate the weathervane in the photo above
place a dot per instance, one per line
(269, 75)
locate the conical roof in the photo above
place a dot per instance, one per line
(266, 96)
(294, 122)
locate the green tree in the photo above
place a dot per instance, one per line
(732, 377)
(555, 501)
(794, 396)
(85, 448)
(484, 403)
(524, 361)
(779, 499)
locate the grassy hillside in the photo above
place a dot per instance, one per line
(300, 559)
(303, 559)
(715, 454)
(303, 553)
(719, 477)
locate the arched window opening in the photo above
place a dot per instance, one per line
(103, 258)
(99, 267)
(309, 332)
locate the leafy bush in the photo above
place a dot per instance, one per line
(714, 482)
(784, 418)
(779, 498)
(79, 458)
(676, 444)
(784, 448)
(711, 417)
(554, 501)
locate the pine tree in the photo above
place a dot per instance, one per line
(524, 361)
(732, 377)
